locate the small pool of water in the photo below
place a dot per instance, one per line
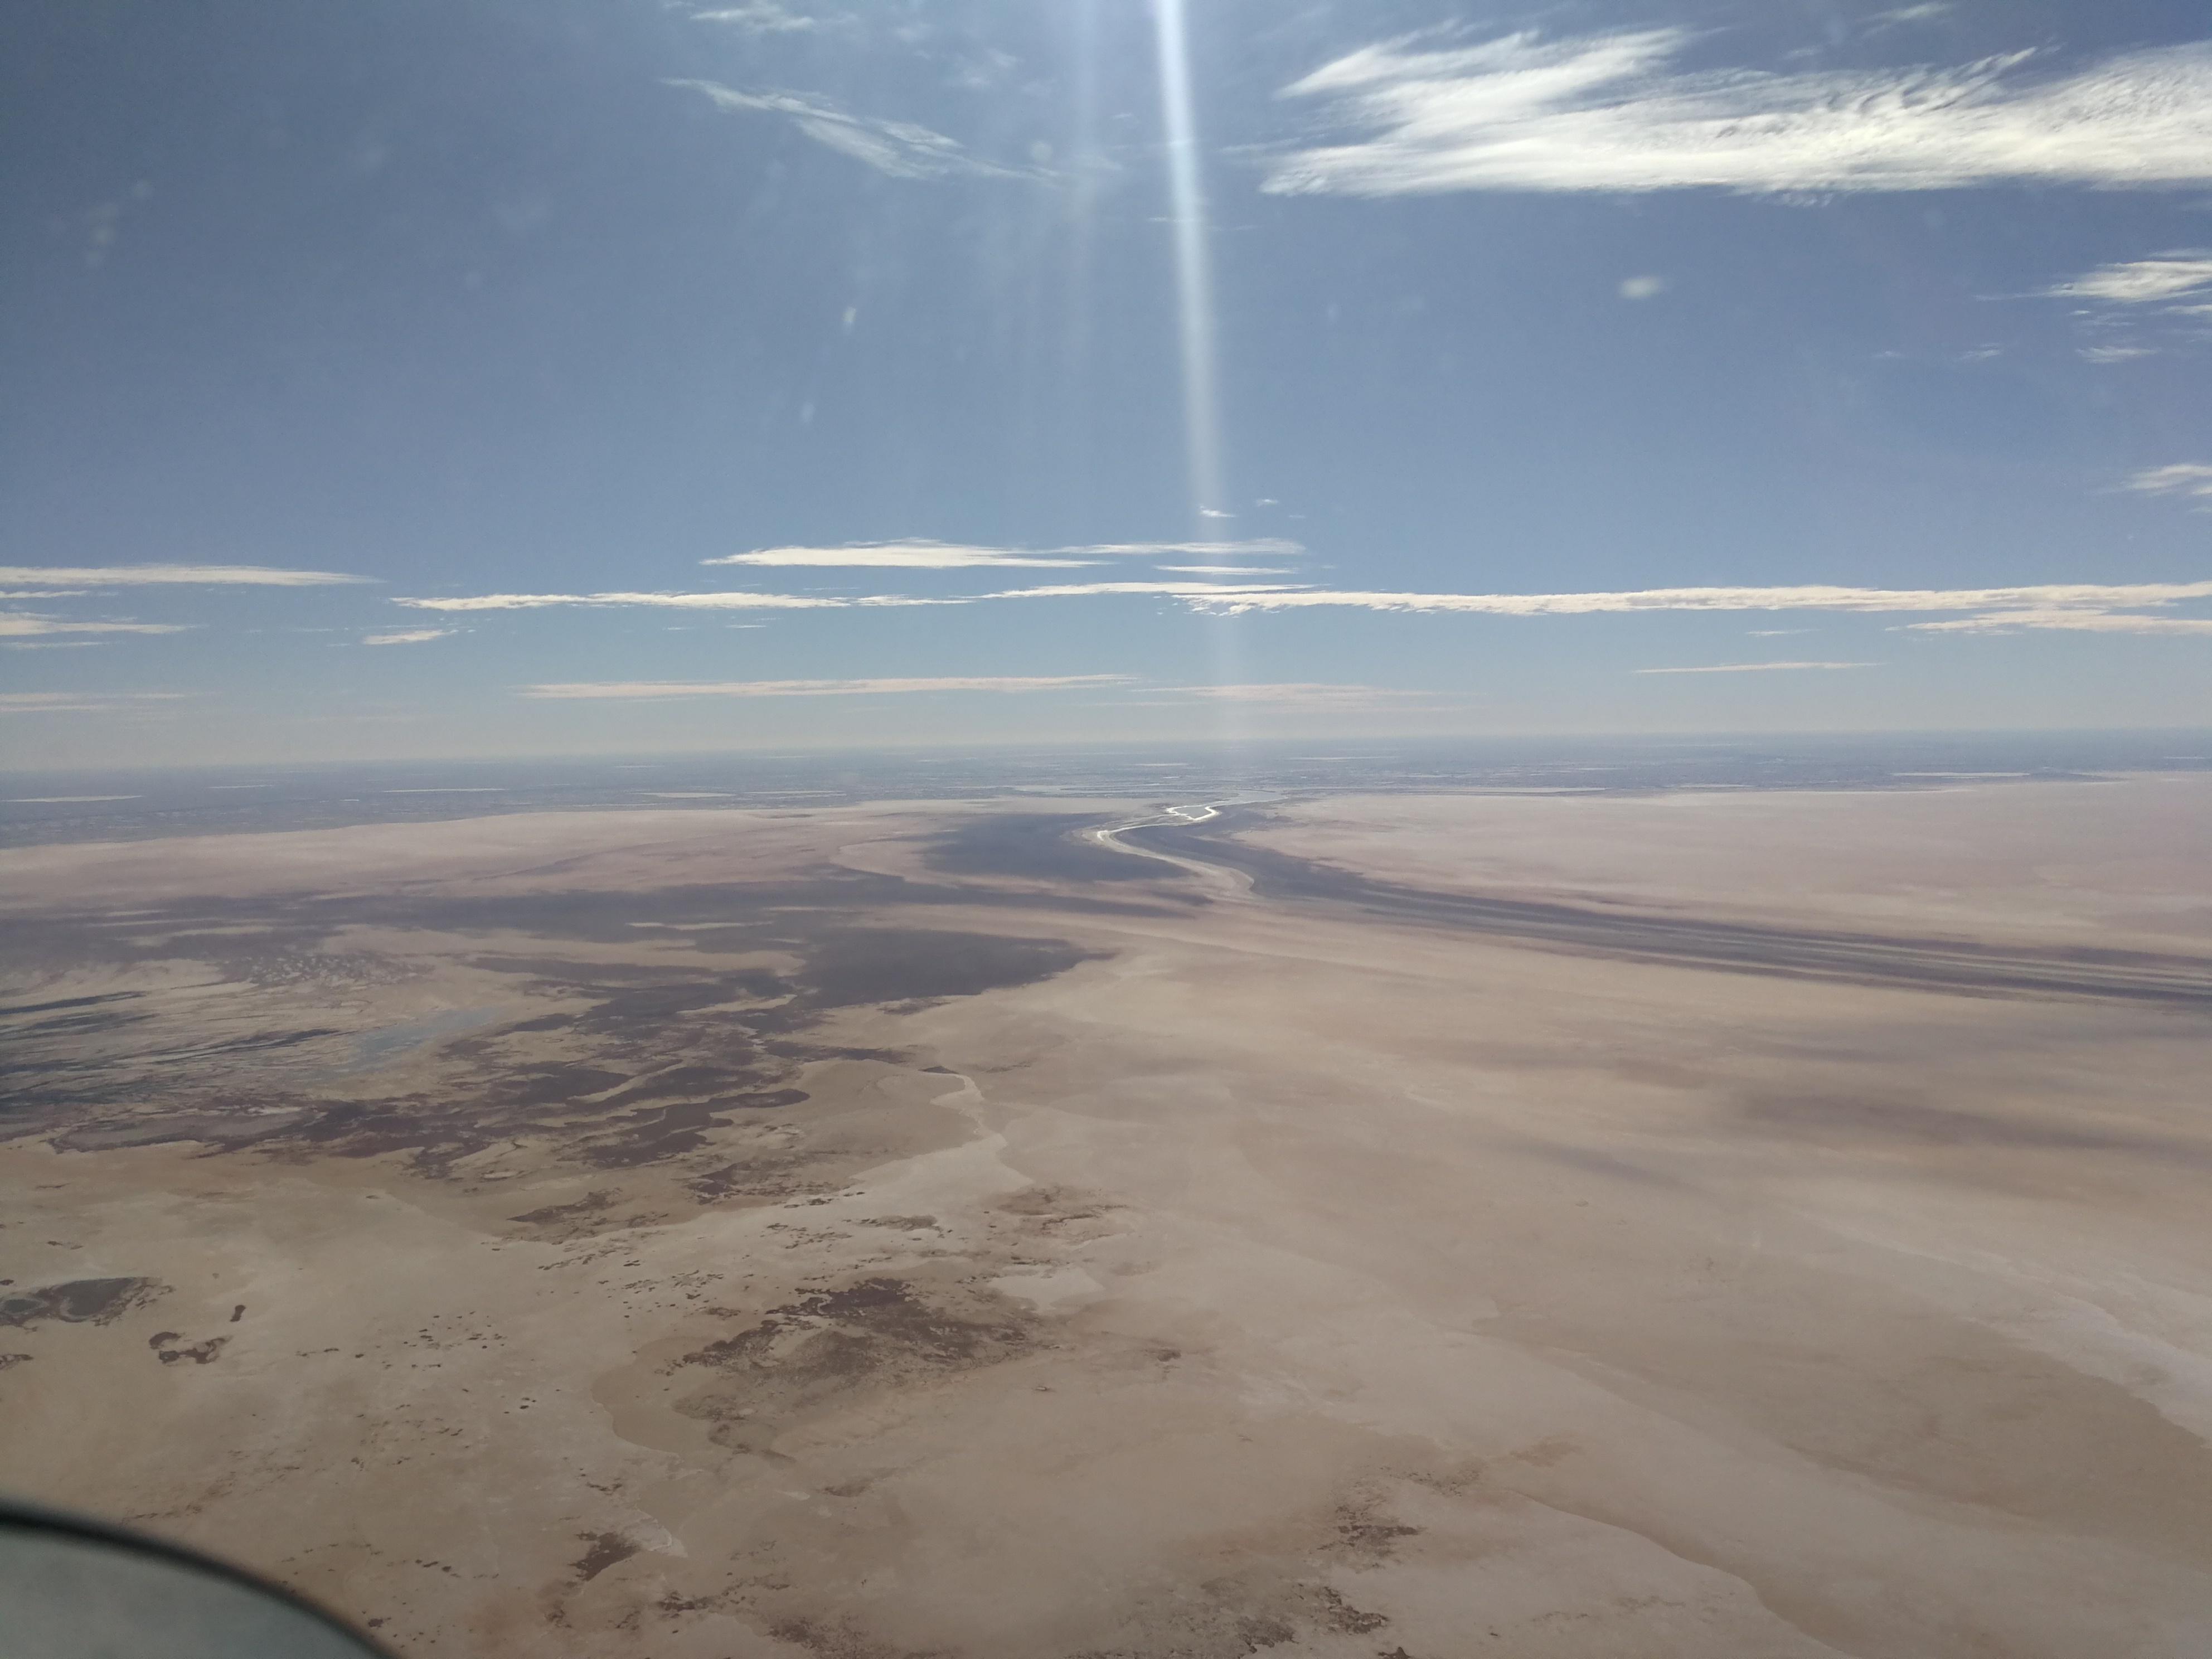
(374, 1048)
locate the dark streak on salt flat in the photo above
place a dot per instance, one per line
(1039, 846)
(1935, 964)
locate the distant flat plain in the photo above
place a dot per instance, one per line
(1643, 1222)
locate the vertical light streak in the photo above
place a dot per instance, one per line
(1193, 273)
(1081, 206)
(1195, 306)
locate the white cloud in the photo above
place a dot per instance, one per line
(925, 555)
(1204, 591)
(1642, 287)
(2078, 622)
(2051, 599)
(52, 645)
(667, 601)
(1609, 113)
(1755, 667)
(2079, 596)
(409, 636)
(78, 702)
(640, 691)
(2090, 606)
(1227, 569)
(1927, 13)
(2184, 478)
(898, 148)
(137, 575)
(43, 593)
(759, 17)
(1262, 547)
(24, 625)
(2141, 281)
(897, 556)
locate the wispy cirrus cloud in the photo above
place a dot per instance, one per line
(899, 150)
(1257, 547)
(1210, 591)
(1755, 667)
(1930, 12)
(739, 601)
(897, 556)
(80, 702)
(2075, 622)
(2140, 308)
(2141, 281)
(1240, 597)
(663, 691)
(197, 576)
(2184, 478)
(409, 636)
(765, 17)
(2055, 604)
(30, 624)
(1613, 112)
(925, 555)
(1227, 569)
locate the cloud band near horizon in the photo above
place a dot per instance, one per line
(2090, 606)
(662, 690)
(181, 575)
(925, 555)
(733, 601)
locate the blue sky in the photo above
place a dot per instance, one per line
(540, 376)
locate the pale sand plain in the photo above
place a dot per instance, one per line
(1157, 1263)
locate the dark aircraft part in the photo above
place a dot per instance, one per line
(76, 1589)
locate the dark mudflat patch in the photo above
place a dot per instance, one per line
(606, 1549)
(164, 1128)
(885, 964)
(652, 1059)
(878, 1330)
(200, 1353)
(678, 1082)
(80, 1301)
(531, 1086)
(1037, 846)
(1925, 963)
(16, 1010)
(1364, 1535)
(554, 1215)
(758, 1178)
(760, 1100)
(658, 1132)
